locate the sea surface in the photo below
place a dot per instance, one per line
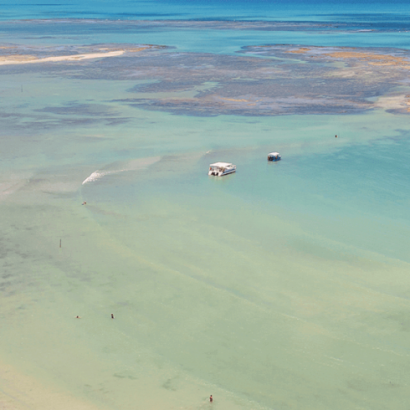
(369, 11)
(283, 286)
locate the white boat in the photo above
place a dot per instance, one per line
(220, 169)
(274, 156)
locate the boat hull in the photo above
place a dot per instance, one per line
(231, 171)
(219, 174)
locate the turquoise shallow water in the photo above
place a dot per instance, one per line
(282, 286)
(199, 41)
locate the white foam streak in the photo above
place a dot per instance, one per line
(97, 175)
(132, 165)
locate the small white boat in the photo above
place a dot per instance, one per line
(274, 156)
(219, 169)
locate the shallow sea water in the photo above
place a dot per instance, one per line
(282, 286)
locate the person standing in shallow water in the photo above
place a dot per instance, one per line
(112, 315)
(211, 398)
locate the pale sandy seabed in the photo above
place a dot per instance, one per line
(20, 391)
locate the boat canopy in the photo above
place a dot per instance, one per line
(274, 154)
(221, 165)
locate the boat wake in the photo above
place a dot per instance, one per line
(133, 165)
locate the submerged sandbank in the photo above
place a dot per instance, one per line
(31, 59)
(20, 391)
(28, 59)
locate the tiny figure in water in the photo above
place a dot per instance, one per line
(84, 203)
(78, 317)
(211, 398)
(336, 136)
(112, 315)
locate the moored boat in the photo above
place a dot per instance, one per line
(219, 169)
(274, 156)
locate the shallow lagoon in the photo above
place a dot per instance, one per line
(284, 285)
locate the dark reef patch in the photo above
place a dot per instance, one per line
(264, 80)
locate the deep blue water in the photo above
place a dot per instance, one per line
(386, 12)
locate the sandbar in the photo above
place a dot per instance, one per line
(31, 59)
(28, 59)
